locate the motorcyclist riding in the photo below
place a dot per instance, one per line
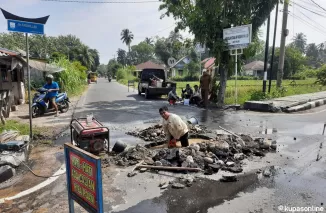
(53, 89)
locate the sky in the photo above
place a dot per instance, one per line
(99, 25)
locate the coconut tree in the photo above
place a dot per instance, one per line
(149, 41)
(86, 57)
(127, 37)
(300, 42)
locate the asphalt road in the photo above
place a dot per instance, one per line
(299, 180)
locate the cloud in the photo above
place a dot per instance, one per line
(99, 26)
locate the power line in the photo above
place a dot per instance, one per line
(311, 6)
(307, 23)
(309, 10)
(101, 2)
(318, 5)
(320, 27)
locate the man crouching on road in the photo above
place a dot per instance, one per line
(174, 127)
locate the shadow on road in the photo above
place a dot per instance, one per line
(142, 98)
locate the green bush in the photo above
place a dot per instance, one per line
(258, 95)
(125, 74)
(321, 75)
(298, 76)
(309, 73)
(73, 79)
(185, 78)
(37, 84)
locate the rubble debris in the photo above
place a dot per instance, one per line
(149, 161)
(264, 143)
(222, 152)
(230, 164)
(235, 169)
(166, 185)
(156, 134)
(239, 156)
(142, 170)
(178, 186)
(274, 145)
(131, 174)
(162, 184)
(229, 178)
(208, 160)
(267, 172)
(158, 163)
(6, 172)
(215, 167)
(8, 135)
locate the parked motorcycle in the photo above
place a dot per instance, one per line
(41, 105)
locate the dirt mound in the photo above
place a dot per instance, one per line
(224, 152)
(156, 133)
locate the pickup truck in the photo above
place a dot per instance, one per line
(154, 83)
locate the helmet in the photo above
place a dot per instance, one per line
(49, 76)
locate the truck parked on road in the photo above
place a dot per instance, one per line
(154, 83)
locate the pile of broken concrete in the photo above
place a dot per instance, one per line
(13, 151)
(224, 152)
(156, 134)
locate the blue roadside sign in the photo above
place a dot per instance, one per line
(84, 179)
(25, 27)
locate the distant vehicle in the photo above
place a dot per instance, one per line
(92, 77)
(153, 82)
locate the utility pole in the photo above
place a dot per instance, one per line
(273, 50)
(285, 33)
(266, 54)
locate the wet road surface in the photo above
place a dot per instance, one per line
(299, 179)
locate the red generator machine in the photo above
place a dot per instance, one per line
(92, 137)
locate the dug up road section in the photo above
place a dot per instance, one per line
(296, 178)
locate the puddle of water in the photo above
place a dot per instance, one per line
(127, 139)
(201, 196)
(307, 129)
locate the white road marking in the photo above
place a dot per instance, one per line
(62, 170)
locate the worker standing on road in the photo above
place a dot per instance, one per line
(174, 127)
(205, 84)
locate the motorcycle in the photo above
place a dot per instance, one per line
(41, 106)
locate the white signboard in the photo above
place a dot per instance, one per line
(200, 48)
(171, 61)
(238, 37)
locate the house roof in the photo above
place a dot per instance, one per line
(184, 59)
(205, 60)
(44, 67)
(149, 65)
(6, 52)
(209, 63)
(255, 65)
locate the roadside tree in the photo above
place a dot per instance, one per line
(207, 21)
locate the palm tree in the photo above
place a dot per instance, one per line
(149, 41)
(127, 37)
(86, 57)
(300, 42)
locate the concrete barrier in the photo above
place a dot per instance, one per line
(306, 106)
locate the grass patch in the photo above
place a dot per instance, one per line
(246, 89)
(21, 127)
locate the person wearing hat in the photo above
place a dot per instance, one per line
(53, 89)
